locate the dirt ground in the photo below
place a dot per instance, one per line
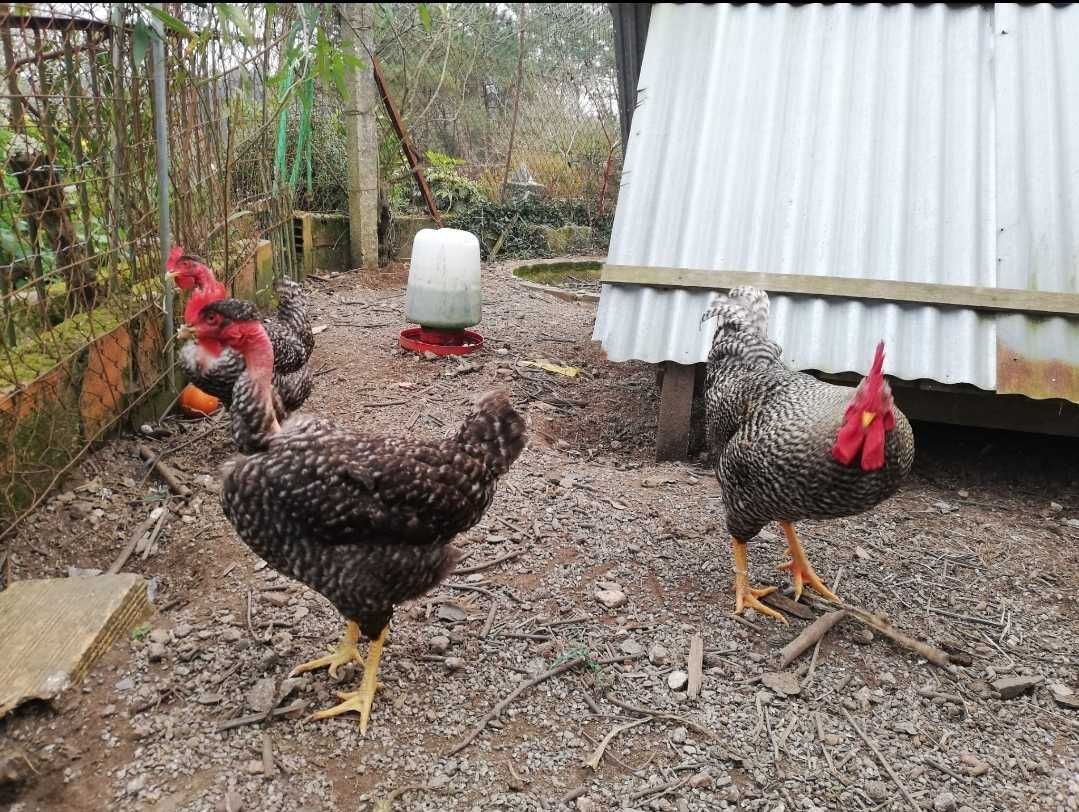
(977, 554)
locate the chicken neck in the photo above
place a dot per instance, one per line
(254, 415)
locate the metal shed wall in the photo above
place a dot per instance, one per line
(922, 144)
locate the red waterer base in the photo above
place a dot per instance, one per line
(440, 342)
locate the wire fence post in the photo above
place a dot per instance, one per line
(161, 138)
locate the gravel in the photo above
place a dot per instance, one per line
(972, 534)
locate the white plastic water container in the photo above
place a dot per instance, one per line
(444, 279)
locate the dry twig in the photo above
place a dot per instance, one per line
(880, 757)
(812, 634)
(597, 754)
(489, 564)
(165, 471)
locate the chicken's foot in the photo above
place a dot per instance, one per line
(347, 652)
(802, 573)
(362, 699)
(745, 595)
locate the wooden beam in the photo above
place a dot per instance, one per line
(1002, 300)
(675, 404)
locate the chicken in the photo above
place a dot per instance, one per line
(215, 370)
(365, 520)
(789, 447)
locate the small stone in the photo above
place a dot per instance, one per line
(254, 766)
(231, 634)
(586, 804)
(863, 637)
(782, 682)
(611, 598)
(905, 727)
(831, 739)
(631, 648)
(438, 780)
(451, 613)
(300, 613)
(262, 695)
(963, 494)
(156, 652)
(877, 790)
(1056, 507)
(181, 631)
(126, 684)
(233, 802)
(657, 654)
(944, 802)
(701, 780)
(278, 599)
(136, 784)
(973, 766)
(677, 680)
(887, 678)
(679, 734)
(454, 663)
(1011, 687)
(439, 645)
(208, 698)
(861, 553)
(1064, 696)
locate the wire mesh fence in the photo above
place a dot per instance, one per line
(83, 339)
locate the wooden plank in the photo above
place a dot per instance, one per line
(675, 404)
(52, 631)
(1002, 300)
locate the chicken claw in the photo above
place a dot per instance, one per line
(745, 595)
(801, 571)
(347, 652)
(362, 699)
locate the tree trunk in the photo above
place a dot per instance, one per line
(362, 131)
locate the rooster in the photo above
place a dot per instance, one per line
(789, 447)
(213, 369)
(364, 520)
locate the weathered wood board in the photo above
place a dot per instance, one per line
(52, 631)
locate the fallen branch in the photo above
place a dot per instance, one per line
(132, 543)
(881, 625)
(597, 754)
(662, 789)
(231, 724)
(489, 564)
(658, 715)
(887, 767)
(497, 710)
(165, 471)
(810, 635)
(487, 624)
(696, 666)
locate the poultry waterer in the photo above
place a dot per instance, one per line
(443, 295)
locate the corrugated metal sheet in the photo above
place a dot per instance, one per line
(852, 141)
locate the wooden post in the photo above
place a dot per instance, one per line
(675, 404)
(362, 131)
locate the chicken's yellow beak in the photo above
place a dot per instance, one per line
(185, 332)
(868, 418)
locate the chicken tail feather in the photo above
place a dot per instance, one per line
(741, 326)
(493, 432)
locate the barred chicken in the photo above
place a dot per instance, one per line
(789, 447)
(214, 369)
(365, 520)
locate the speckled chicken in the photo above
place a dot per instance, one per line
(214, 369)
(789, 447)
(365, 520)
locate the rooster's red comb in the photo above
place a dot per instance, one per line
(174, 257)
(875, 371)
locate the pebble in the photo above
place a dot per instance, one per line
(182, 631)
(679, 734)
(276, 598)
(254, 766)
(677, 680)
(586, 804)
(454, 663)
(611, 598)
(136, 784)
(782, 682)
(156, 652)
(877, 790)
(974, 765)
(944, 802)
(631, 648)
(262, 695)
(126, 684)
(1011, 687)
(700, 781)
(160, 636)
(863, 637)
(657, 654)
(231, 635)
(439, 644)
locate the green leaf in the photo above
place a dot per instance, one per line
(425, 16)
(234, 14)
(352, 61)
(339, 78)
(139, 632)
(177, 25)
(140, 41)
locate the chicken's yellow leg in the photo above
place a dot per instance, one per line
(745, 595)
(347, 652)
(362, 699)
(801, 570)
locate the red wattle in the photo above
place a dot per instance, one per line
(847, 443)
(873, 447)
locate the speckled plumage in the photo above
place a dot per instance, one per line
(772, 429)
(364, 520)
